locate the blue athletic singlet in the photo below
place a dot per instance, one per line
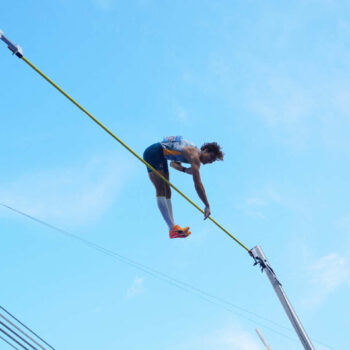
(172, 148)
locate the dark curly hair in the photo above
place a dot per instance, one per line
(213, 147)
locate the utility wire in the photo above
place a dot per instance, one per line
(13, 332)
(22, 324)
(8, 342)
(13, 325)
(13, 339)
(228, 306)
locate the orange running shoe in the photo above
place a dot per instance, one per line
(178, 232)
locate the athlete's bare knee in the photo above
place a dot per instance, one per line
(159, 184)
(160, 192)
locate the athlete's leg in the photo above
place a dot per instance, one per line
(154, 156)
(168, 197)
(161, 191)
(159, 183)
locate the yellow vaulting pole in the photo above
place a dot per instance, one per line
(18, 52)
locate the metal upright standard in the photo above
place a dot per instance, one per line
(260, 258)
(262, 339)
(16, 50)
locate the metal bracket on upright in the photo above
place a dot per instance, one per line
(16, 49)
(261, 260)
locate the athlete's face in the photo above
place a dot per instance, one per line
(207, 157)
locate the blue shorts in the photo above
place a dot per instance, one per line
(154, 156)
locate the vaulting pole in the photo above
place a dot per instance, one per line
(260, 258)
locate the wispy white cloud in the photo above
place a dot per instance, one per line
(254, 201)
(343, 223)
(257, 204)
(76, 194)
(327, 274)
(182, 114)
(254, 206)
(300, 108)
(136, 288)
(343, 226)
(98, 309)
(105, 5)
(301, 97)
(284, 104)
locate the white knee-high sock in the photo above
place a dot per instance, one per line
(170, 206)
(164, 209)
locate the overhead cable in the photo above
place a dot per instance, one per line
(13, 339)
(8, 342)
(228, 306)
(25, 334)
(17, 335)
(26, 327)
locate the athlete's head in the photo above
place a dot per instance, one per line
(210, 152)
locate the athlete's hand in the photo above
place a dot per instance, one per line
(206, 212)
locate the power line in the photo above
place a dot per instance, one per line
(26, 327)
(13, 325)
(13, 339)
(228, 306)
(8, 342)
(13, 332)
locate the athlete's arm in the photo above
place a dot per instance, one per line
(191, 154)
(200, 188)
(179, 167)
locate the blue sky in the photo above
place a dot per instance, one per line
(268, 81)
